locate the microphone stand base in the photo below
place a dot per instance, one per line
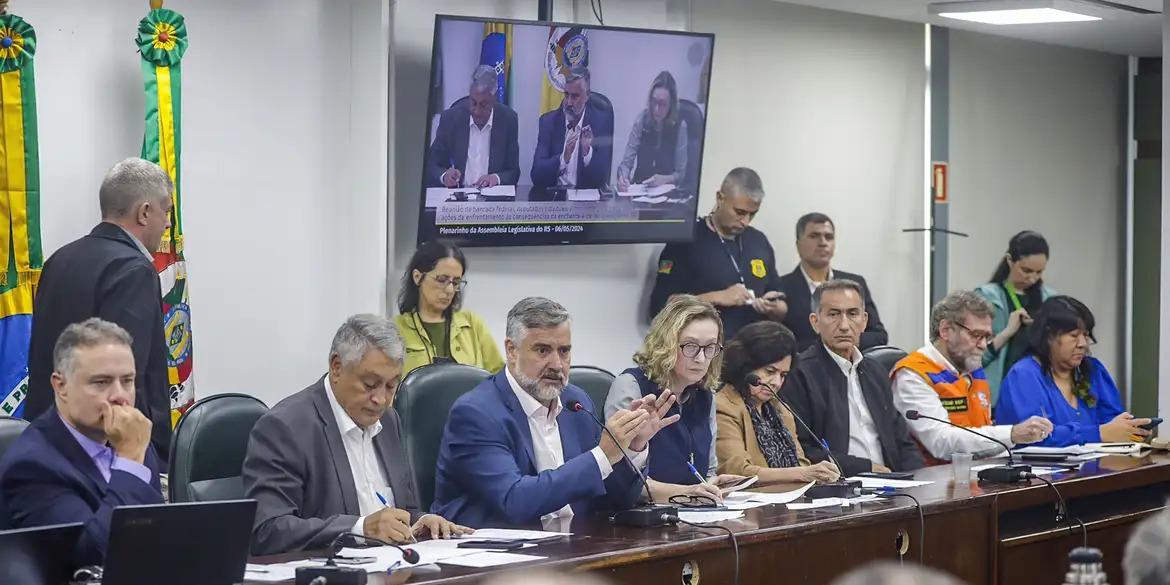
(333, 575)
(1006, 473)
(837, 489)
(644, 516)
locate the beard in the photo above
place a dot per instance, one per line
(967, 361)
(545, 388)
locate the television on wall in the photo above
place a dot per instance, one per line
(546, 134)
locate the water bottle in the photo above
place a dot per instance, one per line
(1084, 567)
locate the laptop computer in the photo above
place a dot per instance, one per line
(198, 543)
(38, 556)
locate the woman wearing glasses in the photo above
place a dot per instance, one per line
(757, 433)
(679, 363)
(433, 328)
(1061, 382)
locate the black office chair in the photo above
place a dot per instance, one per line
(690, 113)
(595, 382)
(10, 429)
(424, 398)
(208, 448)
(886, 355)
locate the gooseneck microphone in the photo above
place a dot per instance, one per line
(1010, 473)
(755, 380)
(648, 515)
(336, 575)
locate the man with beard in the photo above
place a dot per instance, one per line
(515, 449)
(574, 143)
(945, 379)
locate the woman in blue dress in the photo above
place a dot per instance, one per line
(1060, 381)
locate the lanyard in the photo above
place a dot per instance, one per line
(723, 243)
(1011, 291)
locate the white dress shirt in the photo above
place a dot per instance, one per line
(546, 439)
(479, 146)
(369, 479)
(568, 176)
(141, 247)
(863, 436)
(812, 285)
(912, 392)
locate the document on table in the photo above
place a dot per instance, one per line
(877, 482)
(1068, 450)
(707, 517)
(583, 195)
(490, 559)
(499, 191)
(511, 534)
(271, 573)
(829, 502)
(748, 500)
(1036, 470)
(637, 189)
(653, 200)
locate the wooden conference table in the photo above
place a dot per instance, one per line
(983, 533)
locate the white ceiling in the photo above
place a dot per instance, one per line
(1120, 32)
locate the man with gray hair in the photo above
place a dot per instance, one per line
(1147, 554)
(477, 141)
(944, 379)
(574, 143)
(110, 274)
(523, 446)
(91, 451)
(729, 263)
(329, 460)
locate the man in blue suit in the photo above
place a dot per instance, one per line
(516, 450)
(574, 143)
(88, 454)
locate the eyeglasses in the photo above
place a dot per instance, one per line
(976, 335)
(691, 350)
(443, 280)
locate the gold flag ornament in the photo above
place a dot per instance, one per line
(20, 226)
(162, 41)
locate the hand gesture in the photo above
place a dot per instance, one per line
(451, 177)
(656, 407)
(389, 524)
(586, 140)
(624, 425)
(127, 430)
(437, 526)
(1033, 430)
(1017, 319)
(570, 144)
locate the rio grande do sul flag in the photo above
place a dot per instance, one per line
(162, 40)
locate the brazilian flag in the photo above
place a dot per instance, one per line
(496, 52)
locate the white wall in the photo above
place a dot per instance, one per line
(284, 180)
(829, 110)
(1038, 142)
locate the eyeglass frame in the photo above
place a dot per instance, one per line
(457, 282)
(986, 338)
(716, 347)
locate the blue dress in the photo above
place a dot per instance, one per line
(1027, 391)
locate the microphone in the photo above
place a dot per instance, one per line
(648, 515)
(754, 380)
(1010, 473)
(333, 574)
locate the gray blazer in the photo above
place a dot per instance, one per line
(297, 471)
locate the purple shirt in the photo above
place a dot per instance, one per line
(103, 456)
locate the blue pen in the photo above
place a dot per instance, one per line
(825, 444)
(695, 472)
(387, 504)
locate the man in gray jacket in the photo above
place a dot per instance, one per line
(329, 459)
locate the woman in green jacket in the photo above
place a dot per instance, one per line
(433, 327)
(1016, 291)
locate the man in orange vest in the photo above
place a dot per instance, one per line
(945, 379)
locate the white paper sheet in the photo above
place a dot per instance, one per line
(637, 189)
(511, 534)
(583, 195)
(654, 200)
(499, 191)
(738, 499)
(831, 502)
(1069, 450)
(707, 517)
(490, 559)
(875, 482)
(269, 573)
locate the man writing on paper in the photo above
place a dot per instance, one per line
(329, 459)
(945, 380)
(476, 143)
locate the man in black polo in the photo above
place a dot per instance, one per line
(816, 242)
(729, 263)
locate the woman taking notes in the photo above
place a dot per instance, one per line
(1061, 382)
(757, 434)
(1015, 292)
(433, 328)
(656, 153)
(679, 363)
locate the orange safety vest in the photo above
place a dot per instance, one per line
(967, 399)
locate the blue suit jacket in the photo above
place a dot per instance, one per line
(47, 478)
(486, 473)
(550, 146)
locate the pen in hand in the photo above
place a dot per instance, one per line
(387, 504)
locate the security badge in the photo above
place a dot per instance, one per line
(758, 269)
(956, 404)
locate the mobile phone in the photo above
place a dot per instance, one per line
(1154, 421)
(890, 475)
(492, 544)
(346, 560)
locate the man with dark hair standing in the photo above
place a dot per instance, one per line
(816, 242)
(110, 274)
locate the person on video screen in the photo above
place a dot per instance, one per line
(574, 145)
(656, 153)
(476, 144)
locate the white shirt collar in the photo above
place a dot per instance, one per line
(579, 123)
(141, 247)
(933, 354)
(532, 407)
(846, 366)
(345, 423)
(812, 285)
(488, 126)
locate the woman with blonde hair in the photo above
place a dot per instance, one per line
(680, 364)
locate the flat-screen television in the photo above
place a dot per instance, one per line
(542, 133)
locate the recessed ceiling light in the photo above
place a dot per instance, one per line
(1000, 12)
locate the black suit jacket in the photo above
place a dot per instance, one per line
(550, 146)
(297, 471)
(452, 136)
(795, 288)
(47, 478)
(818, 392)
(103, 275)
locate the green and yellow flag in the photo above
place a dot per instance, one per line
(20, 190)
(162, 41)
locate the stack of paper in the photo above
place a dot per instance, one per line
(707, 517)
(830, 502)
(748, 500)
(876, 482)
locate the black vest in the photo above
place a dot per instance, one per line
(672, 447)
(656, 149)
